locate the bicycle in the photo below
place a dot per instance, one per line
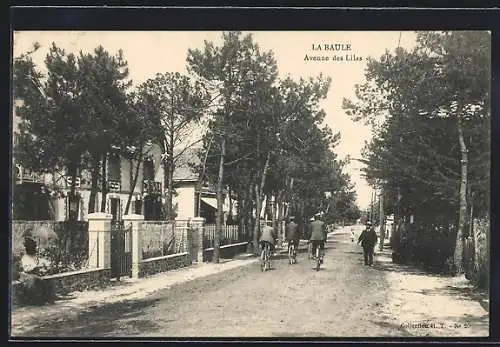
(265, 258)
(292, 254)
(318, 258)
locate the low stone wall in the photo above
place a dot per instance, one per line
(226, 251)
(79, 280)
(156, 265)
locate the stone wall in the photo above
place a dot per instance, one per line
(79, 280)
(153, 266)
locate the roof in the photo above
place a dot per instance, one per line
(183, 170)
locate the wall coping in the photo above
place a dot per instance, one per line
(198, 219)
(227, 246)
(133, 216)
(99, 216)
(72, 273)
(164, 257)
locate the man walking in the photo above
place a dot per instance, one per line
(368, 239)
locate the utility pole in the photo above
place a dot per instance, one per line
(382, 218)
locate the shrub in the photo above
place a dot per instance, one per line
(32, 290)
(17, 268)
(61, 261)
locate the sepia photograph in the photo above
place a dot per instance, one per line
(239, 184)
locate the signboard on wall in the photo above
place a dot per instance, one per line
(114, 186)
(22, 174)
(151, 187)
(69, 179)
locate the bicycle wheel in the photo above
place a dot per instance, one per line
(263, 260)
(268, 258)
(318, 258)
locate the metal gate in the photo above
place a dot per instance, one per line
(121, 249)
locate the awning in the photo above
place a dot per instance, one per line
(210, 201)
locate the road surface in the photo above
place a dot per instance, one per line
(344, 299)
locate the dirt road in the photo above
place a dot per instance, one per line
(344, 299)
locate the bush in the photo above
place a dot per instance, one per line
(61, 261)
(17, 267)
(424, 245)
(32, 290)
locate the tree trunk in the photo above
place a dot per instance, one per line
(472, 234)
(229, 219)
(280, 216)
(259, 192)
(133, 178)
(248, 217)
(256, 226)
(170, 193)
(94, 186)
(459, 246)
(382, 220)
(72, 214)
(274, 215)
(220, 202)
(104, 181)
(72, 190)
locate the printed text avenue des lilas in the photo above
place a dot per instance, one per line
(341, 52)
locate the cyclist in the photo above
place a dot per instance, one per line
(318, 236)
(292, 235)
(267, 235)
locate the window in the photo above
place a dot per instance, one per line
(114, 169)
(149, 169)
(72, 207)
(138, 207)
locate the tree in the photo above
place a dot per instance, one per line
(73, 116)
(239, 74)
(178, 104)
(103, 81)
(50, 137)
(440, 85)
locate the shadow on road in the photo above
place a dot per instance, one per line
(391, 327)
(461, 293)
(97, 321)
(351, 252)
(406, 269)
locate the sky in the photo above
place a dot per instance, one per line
(150, 52)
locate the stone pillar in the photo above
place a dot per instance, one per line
(99, 240)
(198, 224)
(180, 232)
(136, 221)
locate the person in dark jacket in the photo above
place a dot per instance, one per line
(368, 239)
(292, 233)
(267, 236)
(318, 235)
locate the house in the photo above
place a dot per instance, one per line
(32, 199)
(194, 197)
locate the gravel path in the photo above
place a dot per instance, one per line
(343, 299)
